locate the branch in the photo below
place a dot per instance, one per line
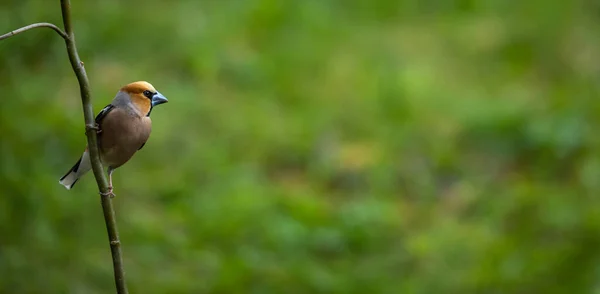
(88, 113)
(33, 26)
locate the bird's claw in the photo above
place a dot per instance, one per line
(109, 193)
(95, 126)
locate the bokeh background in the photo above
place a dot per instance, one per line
(311, 146)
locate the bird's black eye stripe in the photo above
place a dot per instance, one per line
(148, 94)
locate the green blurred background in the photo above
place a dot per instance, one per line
(311, 146)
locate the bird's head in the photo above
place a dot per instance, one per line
(144, 96)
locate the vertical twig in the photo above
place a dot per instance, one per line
(88, 113)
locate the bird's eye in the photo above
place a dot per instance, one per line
(148, 94)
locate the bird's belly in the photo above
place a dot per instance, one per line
(116, 156)
(122, 148)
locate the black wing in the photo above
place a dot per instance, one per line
(103, 113)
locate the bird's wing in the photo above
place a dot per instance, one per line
(102, 114)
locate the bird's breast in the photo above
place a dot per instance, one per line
(122, 135)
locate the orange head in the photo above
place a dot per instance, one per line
(144, 96)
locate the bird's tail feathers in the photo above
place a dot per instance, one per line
(80, 168)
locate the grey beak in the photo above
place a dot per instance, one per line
(158, 98)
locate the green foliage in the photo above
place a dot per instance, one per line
(311, 147)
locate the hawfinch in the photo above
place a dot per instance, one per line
(123, 128)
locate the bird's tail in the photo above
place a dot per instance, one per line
(80, 168)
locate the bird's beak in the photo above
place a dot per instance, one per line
(158, 98)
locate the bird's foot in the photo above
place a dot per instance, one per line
(94, 127)
(109, 193)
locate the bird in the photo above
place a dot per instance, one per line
(122, 127)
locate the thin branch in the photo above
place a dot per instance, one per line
(33, 26)
(88, 113)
